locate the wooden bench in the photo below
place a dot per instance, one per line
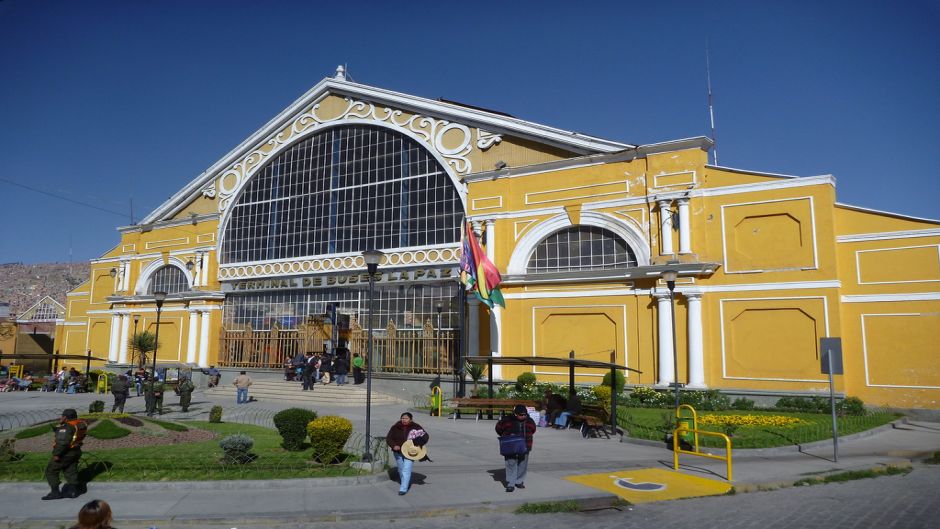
(594, 420)
(501, 405)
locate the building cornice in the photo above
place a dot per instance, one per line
(146, 227)
(887, 235)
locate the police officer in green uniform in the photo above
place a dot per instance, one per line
(148, 395)
(186, 388)
(120, 389)
(158, 389)
(66, 452)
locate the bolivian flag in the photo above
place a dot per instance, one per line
(477, 272)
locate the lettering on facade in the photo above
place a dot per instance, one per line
(327, 281)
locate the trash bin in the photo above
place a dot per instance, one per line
(435, 402)
(686, 422)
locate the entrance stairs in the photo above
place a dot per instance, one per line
(323, 394)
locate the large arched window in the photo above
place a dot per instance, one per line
(169, 279)
(344, 190)
(581, 248)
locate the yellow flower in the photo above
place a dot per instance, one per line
(778, 421)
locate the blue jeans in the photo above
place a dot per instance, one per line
(562, 419)
(341, 379)
(241, 395)
(404, 471)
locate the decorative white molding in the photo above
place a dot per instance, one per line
(753, 287)
(209, 191)
(887, 298)
(858, 265)
(888, 235)
(812, 229)
(143, 279)
(486, 139)
(868, 381)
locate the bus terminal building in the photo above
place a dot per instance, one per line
(255, 252)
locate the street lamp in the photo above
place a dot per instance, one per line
(669, 276)
(159, 297)
(372, 258)
(136, 348)
(439, 307)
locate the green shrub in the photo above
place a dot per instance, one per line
(602, 394)
(215, 414)
(803, 404)
(645, 396)
(525, 381)
(292, 425)
(710, 400)
(851, 406)
(620, 380)
(237, 448)
(8, 451)
(328, 436)
(106, 429)
(743, 404)
(96, 406)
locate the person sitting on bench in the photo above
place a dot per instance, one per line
(572, 409)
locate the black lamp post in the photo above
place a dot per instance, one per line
(159, 297)
(669, 276)
(439, 307)
(372, 258)
(137, 349)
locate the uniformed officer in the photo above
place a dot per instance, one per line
(148, 395)
(186, 388)
(158, 389)
(66, 452)
(120, 389)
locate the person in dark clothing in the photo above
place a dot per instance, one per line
(95, 514)
(66, 452)
(519, 423)
(186, 388)
(310, 371)
(120, 389)
(398, 435)
(340, 368)
(357, 364)
(573, 409)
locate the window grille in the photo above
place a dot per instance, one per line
(581, 248)
(169, 279)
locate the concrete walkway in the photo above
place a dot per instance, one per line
(464, 477)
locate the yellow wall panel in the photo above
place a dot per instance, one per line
(899, 265)
(914, 337)
(99, 337)
(775, 235)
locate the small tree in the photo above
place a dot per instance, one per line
(141, 344)
(476, 372)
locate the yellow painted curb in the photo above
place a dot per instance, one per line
(652, 484)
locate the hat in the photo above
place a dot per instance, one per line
(519, 408)
(412, 451)
(70, 414)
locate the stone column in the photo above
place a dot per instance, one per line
(665, 225)
(204, 339)
(122, 348)
(496, 320)
(685, 228)
(115, 336)
(473, 325)
(193, 332)
(664, 317)
(696, 350)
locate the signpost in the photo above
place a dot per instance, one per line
(830, 356)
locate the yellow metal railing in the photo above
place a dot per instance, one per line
(676, 449)
(680, 419)
(437, 399)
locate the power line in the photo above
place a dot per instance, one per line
(60, 197)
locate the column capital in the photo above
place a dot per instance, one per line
(660, 294)
(488, 222)
(693, 294)
(664, 202)
(683, 201)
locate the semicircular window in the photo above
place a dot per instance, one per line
(581, 248)
(344, 190)
(169, 279)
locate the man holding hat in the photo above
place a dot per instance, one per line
(67, 450)
(408, 441)
(517, 424)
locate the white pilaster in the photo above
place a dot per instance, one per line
(696, 349)
(204, 339)
(665, 227)
(685, 227)
(115, 336)
(473, 325)
(664, 317)
(122, 347)
(191, 351)
(125, 272)
(496, 316)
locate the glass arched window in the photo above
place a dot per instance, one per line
(344, 190)
(581, 248)
(169, 279)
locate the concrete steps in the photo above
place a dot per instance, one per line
(322, 394)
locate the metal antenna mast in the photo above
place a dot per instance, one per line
(711, 109)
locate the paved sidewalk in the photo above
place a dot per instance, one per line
(465, 476)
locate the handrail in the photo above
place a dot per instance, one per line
(676, 450)
(694, 420)
(436, 390)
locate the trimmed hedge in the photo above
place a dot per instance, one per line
(292, 425)
(215, 414)
(328, 436)
(106, 429)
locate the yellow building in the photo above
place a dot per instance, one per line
(254, 251)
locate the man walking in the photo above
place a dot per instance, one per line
(517, 463)
(148, 395)
(309, 370)
(186, 388)
(242, 383)
(119, 389)
(66, 452)
(158, 388)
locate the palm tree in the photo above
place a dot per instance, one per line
(142, 343)
(476, 372)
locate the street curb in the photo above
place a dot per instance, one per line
(744, 488)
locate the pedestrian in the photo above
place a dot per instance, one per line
(357, 364)
(120, 390)
(149, 400)
(214, 376)
(95, 514)
(326, 369)
(242, 383)
(60, 378)
(66, 452)
(139, 377)
(186, 388)
(408, 441)
(515, 432)
(340, 368)
(310, 370)
(572, 410)
(159, 388)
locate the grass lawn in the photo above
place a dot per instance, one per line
(648, 423)
(184, 462)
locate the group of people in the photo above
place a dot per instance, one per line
(62, 381)
(312, 368)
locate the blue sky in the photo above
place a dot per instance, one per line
(102, 101)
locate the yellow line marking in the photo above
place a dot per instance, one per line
(651, 484)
